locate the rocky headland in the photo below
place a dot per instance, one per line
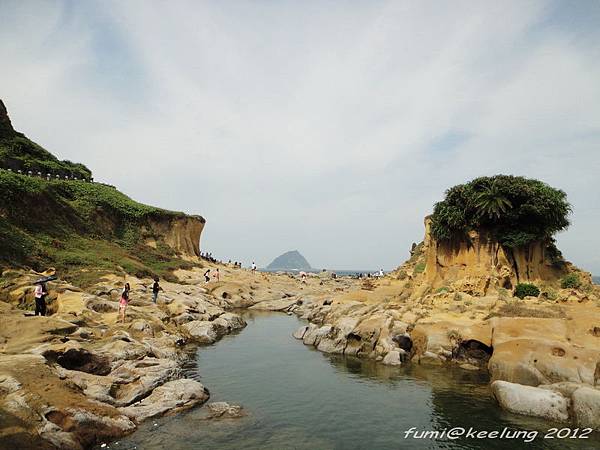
(455, 305)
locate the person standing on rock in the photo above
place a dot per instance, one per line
(207, 276)
(155, 289)
(253, 267)
(217, 275)
(40, 299)
(124, 301)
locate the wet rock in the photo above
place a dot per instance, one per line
(531, 401)
(202, 331)
(314, 334)
(223, 410)
(138, 378)
(429, 358)
(170, 397)
(300, 332)
(393, 358)
(586, 407)
(274, 305)
(230, 322)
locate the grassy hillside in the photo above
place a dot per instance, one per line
(74, 225)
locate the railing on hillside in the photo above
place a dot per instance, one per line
(55, 177)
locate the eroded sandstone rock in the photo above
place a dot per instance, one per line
(531, 401)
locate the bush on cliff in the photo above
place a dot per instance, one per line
(523, 290)
(570, 281)
(515, 210)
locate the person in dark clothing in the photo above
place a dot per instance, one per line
(207, 276)
(40, 299)
(155, 288)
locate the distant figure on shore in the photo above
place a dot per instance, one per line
(124, 301)
(253, 267)
(217, 275)
(381, 272)
(40, 299)
(155, 288)
(207, 276)
(303, 277)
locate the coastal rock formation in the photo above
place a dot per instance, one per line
(454, 305)
(170, 397)
(79, 376)
(182, 234)
(531, 401)
(480, 265)
(223, 410)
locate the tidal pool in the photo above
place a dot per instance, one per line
(299, 398)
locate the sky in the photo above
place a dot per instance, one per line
(330, 127)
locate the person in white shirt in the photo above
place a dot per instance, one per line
(40, 299)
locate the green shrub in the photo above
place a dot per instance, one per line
(570, 281)
(515, 210)
(550, 294)
(420, 268)
(441, 290)
(523, 290)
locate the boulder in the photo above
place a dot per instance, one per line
(314, 334)
(586, 407)
(531, 401)
(299, 333)
(230, 321)
(172, 396)
(202, 331)
(223, 410)
(393, 358)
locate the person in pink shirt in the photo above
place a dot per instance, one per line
(124, 301)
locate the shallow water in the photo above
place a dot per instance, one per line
(299, 398)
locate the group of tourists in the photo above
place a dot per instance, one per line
(208, 256)
(41, 289)
(216, 276)
(41, 292)
(124, 300)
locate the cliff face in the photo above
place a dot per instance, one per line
(480, 264)
(57, 217)
(182, 234)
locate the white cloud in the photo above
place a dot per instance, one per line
(329, 127)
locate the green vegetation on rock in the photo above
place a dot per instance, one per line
(73, 225)
(570, 281)
(523, 290)
(515, 210)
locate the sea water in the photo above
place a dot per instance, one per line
(298, 398)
